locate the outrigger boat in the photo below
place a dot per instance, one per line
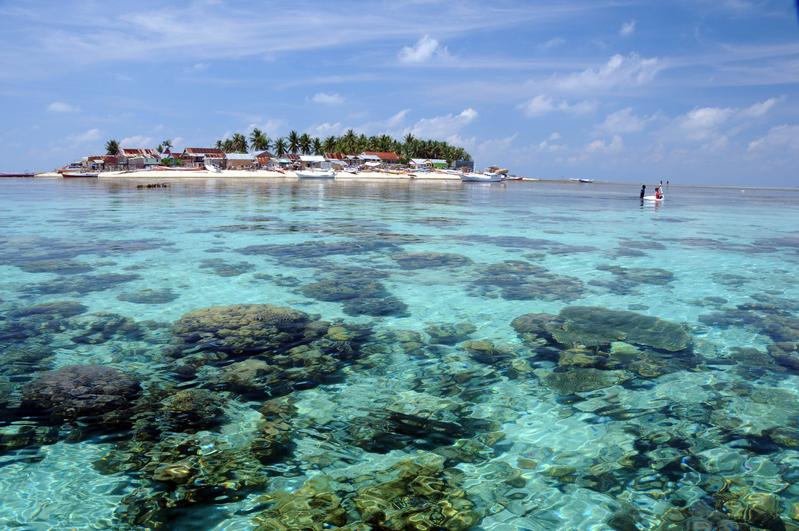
(66, 174)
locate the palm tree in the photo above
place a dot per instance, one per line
(348, 142)
(294, 141)
(305, 143)
(239, 143)
(280, 146)
(330, 144)
(258, 140)
(219, 145)
(112, 147)
(167, 144)
(317, 147)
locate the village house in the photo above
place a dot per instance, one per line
(239, 161)
(101, 163)
(138, 158)
(385, 157)
(263, 158)
(311, 161)
(198, 157)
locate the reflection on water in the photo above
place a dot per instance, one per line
(295, 355)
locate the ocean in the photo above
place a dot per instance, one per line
(397, 355)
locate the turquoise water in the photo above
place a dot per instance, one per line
(655, 386)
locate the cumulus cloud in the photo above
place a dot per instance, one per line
(624, 121)
(618, 71)
(137, 141)
(60, 106)
(781, 137)
(544, 104)
(615, 145)
(443, 127)
(627, 29)
(323, 98)
(425, 49)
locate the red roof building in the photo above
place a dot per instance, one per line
(384, 156)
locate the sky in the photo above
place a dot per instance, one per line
(693, 91)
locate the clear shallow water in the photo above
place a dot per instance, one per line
(516, 430)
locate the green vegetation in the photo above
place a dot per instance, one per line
(350, 143)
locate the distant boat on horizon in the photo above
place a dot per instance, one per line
(24, 174)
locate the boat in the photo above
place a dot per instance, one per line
(70, 174)
(485, 177)
(212, 168)
(16, 174)
(316, 174)
(585, 180)
(653, 198)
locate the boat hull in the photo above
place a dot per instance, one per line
(482, 178)
(85, 175)
(316, 174)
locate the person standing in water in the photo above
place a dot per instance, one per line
(643, 191)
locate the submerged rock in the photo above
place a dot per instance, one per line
(84, 392)
(595, 327)
(224, 268)
(519, 280)
(359, 294)
(101, 327)
(430, 260)
(241, 329)
(449, 334)
(148, 296)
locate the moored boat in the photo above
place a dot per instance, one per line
(485, 177)
(70, 174)
(316, 174)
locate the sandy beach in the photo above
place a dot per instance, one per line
(264, 174)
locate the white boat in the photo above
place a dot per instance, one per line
(485, 177)
(316, 174)
(66, 174)
(585, 180)
(212, 168)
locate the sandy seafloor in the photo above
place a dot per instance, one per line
(493, 427)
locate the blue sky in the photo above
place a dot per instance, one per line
(691, 91)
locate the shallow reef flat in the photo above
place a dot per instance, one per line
(398, 356)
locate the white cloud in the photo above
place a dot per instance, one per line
(425, 49)
(137, 141)
(615, 145)
(624, 121)
(544, 104)
(551, 43)
(327, 129)
(759, 109)
(86, 136)
(627, 29)
(443, 127)
(618, 71)
(398, 118)
(702, 124)
(323, 98)
(60, 106)
(781, 137)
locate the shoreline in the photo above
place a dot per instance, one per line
(262, 174)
